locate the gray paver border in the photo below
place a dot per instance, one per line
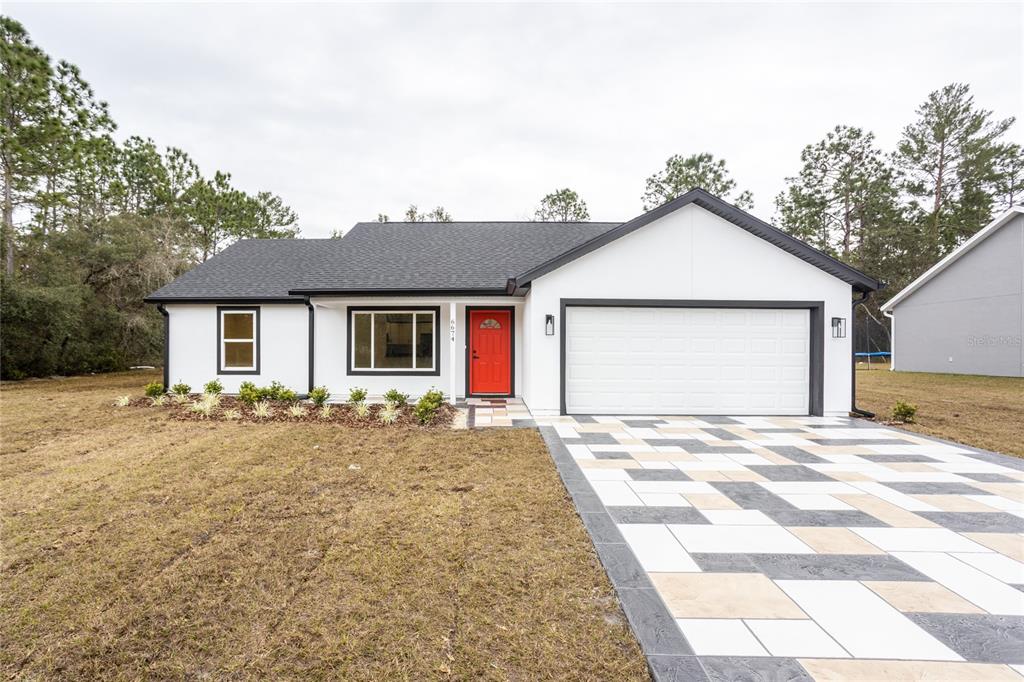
(648, 615)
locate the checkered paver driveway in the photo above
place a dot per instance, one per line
(807, 548)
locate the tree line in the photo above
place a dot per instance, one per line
(91, 225)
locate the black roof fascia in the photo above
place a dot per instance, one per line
(724, 210)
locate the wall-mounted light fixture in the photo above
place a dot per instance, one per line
(838, 327)
(549, 325)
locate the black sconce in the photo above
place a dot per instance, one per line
(838, 327)
(549, 325)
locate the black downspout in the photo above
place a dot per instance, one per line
(309, 351)
(167, 345)
(853, 357)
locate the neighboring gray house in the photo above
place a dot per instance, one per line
(965, 315)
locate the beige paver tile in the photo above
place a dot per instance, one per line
(774, 457)
(849, 476)
(608, 464)
(663, 456)
(724, 595)
(924, 597)
(917, 467)
(744, 475)
(600, 428)
(837, 449)
(677, 430)
(710, 501)
(708, 475)
(954, 503)
(1011, 491)
(865, 670)
(1008, 544)
(886, 511)
(827, 540)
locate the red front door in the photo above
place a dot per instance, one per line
(490, 356)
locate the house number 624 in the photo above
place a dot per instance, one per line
(451, 329)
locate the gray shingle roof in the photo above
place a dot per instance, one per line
(460, 256)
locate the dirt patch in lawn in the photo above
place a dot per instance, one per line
(139, 546)
(985, 412)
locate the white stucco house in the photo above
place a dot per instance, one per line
(695, 307)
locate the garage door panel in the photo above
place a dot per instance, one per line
(687, 361)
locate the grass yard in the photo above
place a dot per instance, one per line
(986, 412)
(136, 546)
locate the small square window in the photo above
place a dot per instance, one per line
(238, 342)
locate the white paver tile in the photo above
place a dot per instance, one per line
(664, 500)
(918, 540)
(656, 464)
(810, 488)
(720, 637)
(616, 493)
(606, 475)
(796, 638)
(737, 517)
(672, 487)
(996, 565)
(657, 549)
(580, 451)
(895, 497)
(970, 583)
(863, 623)
(815, 502)
(738, 539)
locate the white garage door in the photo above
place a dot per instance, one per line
(686, 361)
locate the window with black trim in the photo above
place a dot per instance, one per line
(238, 342)
(394, 341)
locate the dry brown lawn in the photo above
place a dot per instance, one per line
(985, 412)
(136, 546)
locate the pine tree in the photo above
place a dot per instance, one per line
(563, 205)
(681, 174)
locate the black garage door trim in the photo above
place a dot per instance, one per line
(816, 388)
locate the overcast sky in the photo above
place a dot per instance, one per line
(350, 110)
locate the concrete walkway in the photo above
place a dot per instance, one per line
(802, 548)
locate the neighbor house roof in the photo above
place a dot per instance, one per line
(473, 257)
(958, 253)
(444, 258)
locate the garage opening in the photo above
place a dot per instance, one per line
(678, 360)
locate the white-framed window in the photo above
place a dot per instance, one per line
(394, 340)
(238, 340)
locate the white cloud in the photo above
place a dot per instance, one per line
(348, 110)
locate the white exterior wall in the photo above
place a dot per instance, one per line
(283, 344)
(331, 335)
(689, 254)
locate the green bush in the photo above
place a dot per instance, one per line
(428, 405)
(903, 412)
(249, 394)
(286, 394)
(213, 387)
(319, 395)
(154, 389)
(181, 388)
(397, 399)
(356, 395)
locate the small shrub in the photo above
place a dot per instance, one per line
(325, 412)
(388, 414)
(362, 410)
(262, 410)
(297, 410)
(428, 405)
(319, 396)
(158, 401)
(903, 412)
(212, 399)
(213, 387)
(180, 398)
(181, 388)
(123, 401)
(202, 407)
(356, 395)
(232, 415)
(248, 393)
(287, 395)
(154, 389)
(396, 398)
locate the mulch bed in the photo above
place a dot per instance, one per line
(341, 414)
